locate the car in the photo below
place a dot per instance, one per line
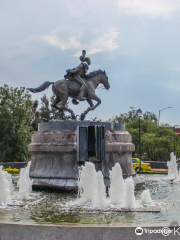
(144, 166)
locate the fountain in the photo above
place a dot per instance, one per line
(102, 154)
(92, 190)
(172, 167)
(129, 199)
(6, 186)
(86, 183)
(116, 189)
(124, 206)
(56, 160)
(99, 200)
(25, 183)
(59, 148)
(145, 197)
(7, 189)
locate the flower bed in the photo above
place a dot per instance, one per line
(12, 170)
(152, 172)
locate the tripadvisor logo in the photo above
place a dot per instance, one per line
(165, 231)
(138, 231)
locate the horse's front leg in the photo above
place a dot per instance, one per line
(83, 115)
(95, 97)
(92, 107)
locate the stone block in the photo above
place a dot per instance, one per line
(54, 154)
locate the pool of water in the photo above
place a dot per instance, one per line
(58, 208)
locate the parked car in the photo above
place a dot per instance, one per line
(144, 166)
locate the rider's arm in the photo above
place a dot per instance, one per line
(77, 68)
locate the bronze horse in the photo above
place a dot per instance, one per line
(63, 89)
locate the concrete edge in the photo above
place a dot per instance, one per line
(15, 231)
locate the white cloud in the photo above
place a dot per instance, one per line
(102, 40)
(20, 55)
(70, 43)
(64, 38)
(151, 8)
(105, 42)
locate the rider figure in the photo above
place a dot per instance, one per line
(79, 72)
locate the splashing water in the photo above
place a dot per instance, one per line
(172, 167)
(145, 197)
(87, 176)
(92, 189)
(99, 193)
(129, 199)
(6, 186)
(116, 189)
(25, 183)
(91, 186)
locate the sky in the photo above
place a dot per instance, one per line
(135, 41)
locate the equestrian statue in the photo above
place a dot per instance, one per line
(78, 85)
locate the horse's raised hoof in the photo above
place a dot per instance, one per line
(63, 116)
(82, 117)
(73, 117)
(75, 102)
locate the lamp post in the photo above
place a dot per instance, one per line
(139, 114)
(161, 111)
(174, 137)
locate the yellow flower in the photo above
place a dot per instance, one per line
(11, 170)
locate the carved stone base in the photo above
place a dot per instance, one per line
(54, 162)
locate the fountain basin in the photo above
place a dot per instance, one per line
(56, 208)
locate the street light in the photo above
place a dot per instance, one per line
(160, 111)
(139, 114)
(174, 137)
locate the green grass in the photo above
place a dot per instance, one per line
(150, 172)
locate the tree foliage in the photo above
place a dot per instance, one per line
(15, 111)
(19, 117)
(35, 118)
(132, 115)
(157, 142)
(45, 112)
(48, 113)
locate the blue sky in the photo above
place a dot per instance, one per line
(135, 41)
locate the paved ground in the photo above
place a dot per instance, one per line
(84, 232)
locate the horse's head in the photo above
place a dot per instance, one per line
(97, 77)
(104, 81)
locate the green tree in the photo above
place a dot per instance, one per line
(35, 118)
(47, 113)
(55, 113)
(15, 111)
(132, 115)
(157, 142)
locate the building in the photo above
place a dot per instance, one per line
(177, 131)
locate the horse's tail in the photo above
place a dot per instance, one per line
(41, 88)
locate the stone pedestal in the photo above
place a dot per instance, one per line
(53, 150)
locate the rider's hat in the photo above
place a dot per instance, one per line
(82, 57)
